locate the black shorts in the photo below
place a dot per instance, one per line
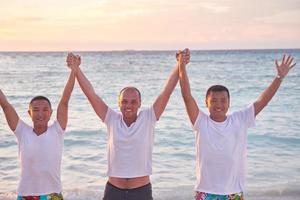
(114, 193)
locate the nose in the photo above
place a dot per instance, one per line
(128, 105)
(218, 103)
(39, 114)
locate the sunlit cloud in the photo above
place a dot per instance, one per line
(145, 24)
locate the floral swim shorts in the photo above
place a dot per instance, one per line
(207, 196)
(52, 196)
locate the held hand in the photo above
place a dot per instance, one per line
(183, 57)
(187, 55)
(284, 67)
(73, 61)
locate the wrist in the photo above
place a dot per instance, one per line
(279, 77)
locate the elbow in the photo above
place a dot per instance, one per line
(6, 107)
(64, 102)
(185, 97)
(259, 106)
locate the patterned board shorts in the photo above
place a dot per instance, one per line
(53, 196)
(207, 196)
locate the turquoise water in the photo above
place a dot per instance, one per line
(273, 145)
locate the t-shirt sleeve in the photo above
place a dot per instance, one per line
(196, 125)
(57, 127)
(247, 115)
(110, 116)
(20, 129)
(150, 114)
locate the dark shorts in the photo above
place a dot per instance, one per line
(114, 193)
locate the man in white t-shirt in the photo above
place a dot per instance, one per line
(40, 146)
(130, 137)
(221, 139)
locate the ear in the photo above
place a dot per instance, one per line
(119, 102)
(29, 112)
(206, 103)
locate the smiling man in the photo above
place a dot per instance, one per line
(221, 138)
(40, 146)
(130, 136)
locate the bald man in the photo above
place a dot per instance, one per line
(130, 136)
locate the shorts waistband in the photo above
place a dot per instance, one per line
(148, 185)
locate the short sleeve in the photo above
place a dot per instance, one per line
(20, 129)
(150, 114)
(58, 128)
(110, 116)
(201, 116)
(195, 126)
(247, 115)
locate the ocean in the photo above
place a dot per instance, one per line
(273, 144)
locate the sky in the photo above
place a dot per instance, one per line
(92, 25)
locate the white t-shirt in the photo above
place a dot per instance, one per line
(130, 148)
(40, 159)
(221, 152)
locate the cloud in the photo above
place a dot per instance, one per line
(286, 17)
(155, 23)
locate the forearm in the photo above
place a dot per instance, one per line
(11, 115)
(85, 84)
(162, 100)
(62, 109)
(171, 83)
(3, 101)
(6, 106)
(190, 103)
(185, 84)
(68, 89)
(267, 95)
(97, 103)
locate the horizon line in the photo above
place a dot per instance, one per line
(145, 50)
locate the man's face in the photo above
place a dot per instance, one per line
(40, 112)
(129, 103)
(218, 105)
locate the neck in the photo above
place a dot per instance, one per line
(129, 121)
(39, 130)
(218, 119)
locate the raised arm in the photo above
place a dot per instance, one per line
(11, 115)
(282, 70)
(62, 109)
(189, 101)
(97, 103)
(161, 101)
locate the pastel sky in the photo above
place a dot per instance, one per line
(59, 25)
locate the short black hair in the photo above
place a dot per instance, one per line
(217, 88)
(131, 87)
(40, 98)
